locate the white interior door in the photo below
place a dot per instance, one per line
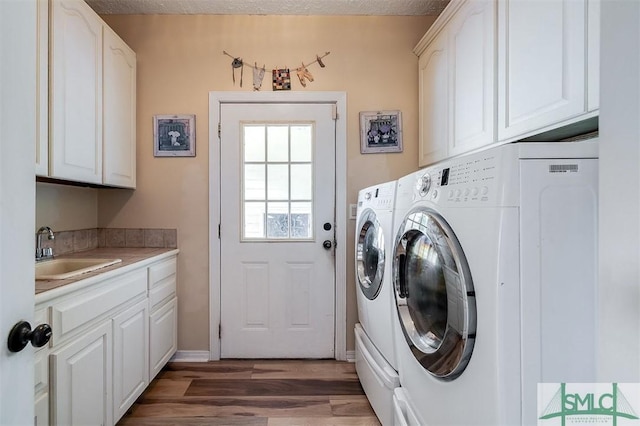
(277, 214)
(18, 20)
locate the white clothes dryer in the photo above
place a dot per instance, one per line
(375, 344)
(495, 281)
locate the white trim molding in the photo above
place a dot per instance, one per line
(190, 356)
(339, 99)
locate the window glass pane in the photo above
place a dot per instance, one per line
(301, 143)
(278, 182)
(254, 184)
(301, 181)
(253, 143)
(278, 143)
(278, 220)
(254, 215)
(301, 220)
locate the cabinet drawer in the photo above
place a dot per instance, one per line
(162, 282)
(71, 315)
(161, 270)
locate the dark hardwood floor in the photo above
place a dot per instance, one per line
(254, 392)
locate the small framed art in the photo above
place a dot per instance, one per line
(174, 135)
(380, 131)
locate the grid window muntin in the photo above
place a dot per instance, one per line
(268, 210)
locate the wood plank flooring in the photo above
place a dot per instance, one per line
(254, 392)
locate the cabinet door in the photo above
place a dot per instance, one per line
(472, 56)
(76, 92)
(42, 90)
(163, 340)
(131, 356)
(433, 89)
(81, 380)
(541, 70)
(593, 55)
(119, 112)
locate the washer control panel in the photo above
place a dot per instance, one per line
(468, 180)
(379, 197)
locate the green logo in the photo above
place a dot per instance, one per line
(588, 404)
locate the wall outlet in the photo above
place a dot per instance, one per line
(353, 208)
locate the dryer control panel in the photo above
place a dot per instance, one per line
(470, 180)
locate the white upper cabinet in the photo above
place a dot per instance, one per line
(472, 42)
(76, 92)
(434, 100)
(593, 55)
(456, 80)
(92, 99)
(542, 67)
(42, 90)
(119, 165)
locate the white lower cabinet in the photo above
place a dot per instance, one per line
(130, 356)
(163, 336)
(81, 379)
(110, 338)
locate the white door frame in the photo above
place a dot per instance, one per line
(340, 100)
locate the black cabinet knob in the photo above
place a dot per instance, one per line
(21, 334)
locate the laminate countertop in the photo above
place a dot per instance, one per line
(132, 258)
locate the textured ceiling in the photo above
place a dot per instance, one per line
(270, 7)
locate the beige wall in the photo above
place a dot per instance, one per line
(180, 61)
(66, 208)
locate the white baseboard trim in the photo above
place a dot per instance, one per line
(190, 356)
(351, 356)
(203, 356)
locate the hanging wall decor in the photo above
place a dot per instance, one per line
(174, 135)
(281, 77)
(380, 131)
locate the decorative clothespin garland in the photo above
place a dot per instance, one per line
(258, 75)
(281, 77)
(237, 63)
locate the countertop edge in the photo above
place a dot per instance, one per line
(54, 293)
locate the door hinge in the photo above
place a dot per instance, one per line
(220, 331)
(334, 111)
(219, 231)
(219, 130)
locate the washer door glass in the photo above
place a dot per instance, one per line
(434, 294)
(369, 254)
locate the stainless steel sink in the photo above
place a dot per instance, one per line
(61, 269)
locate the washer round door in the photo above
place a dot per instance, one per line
(434, 294)
(369, 254)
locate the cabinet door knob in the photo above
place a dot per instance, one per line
(21, 334)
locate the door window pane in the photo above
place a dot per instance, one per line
(253, 143)
(300, 143)
(301, 220)
(254, 215)
(277, 220)
(254, 182)
(277, 181)
(301, 181)
(278, 143)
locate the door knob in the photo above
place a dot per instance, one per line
(327, 244)
(21, 334)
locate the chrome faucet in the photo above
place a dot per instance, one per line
(47, 252)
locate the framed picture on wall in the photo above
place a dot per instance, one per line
(380, 131)
(174, 135)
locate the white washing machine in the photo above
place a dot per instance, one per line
(375, 344)
(495, 282)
